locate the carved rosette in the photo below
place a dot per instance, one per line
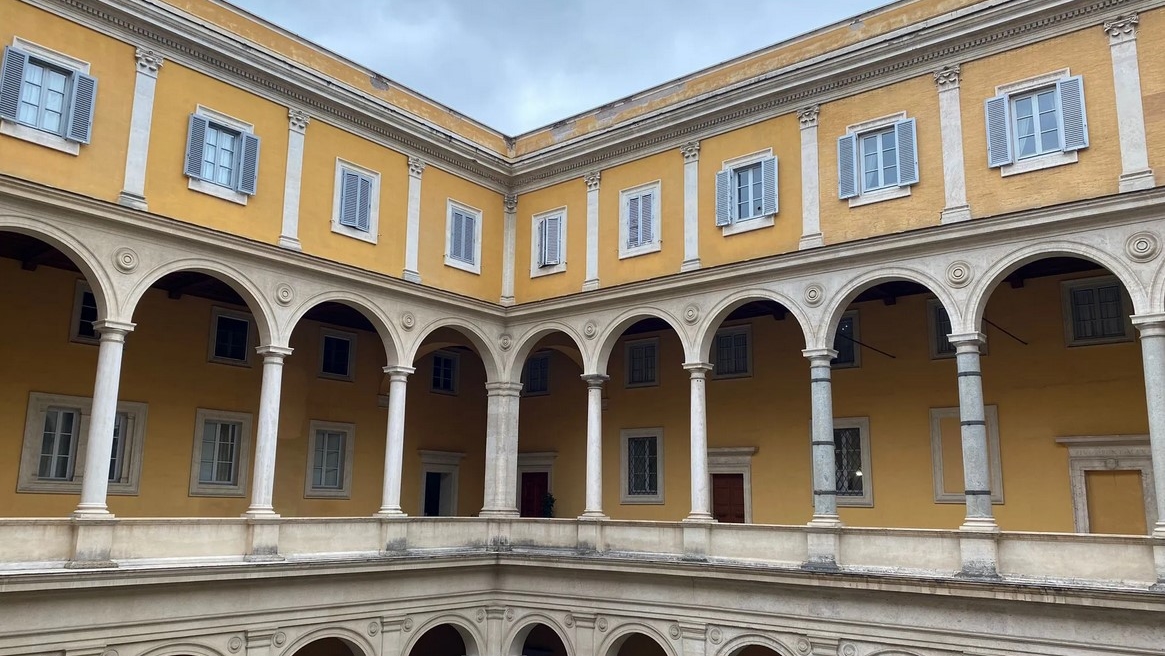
(373, 627)
(480, 615)
(674, 631)
(1122, 28)
(960, 274)
(947, 77)
(509, 614)
(690, 151)
(416, 166)
(109, 652)
(506, 341)
(408, 321)
(601, 623)
(848, 649)
(125, 259)
(590, 330)
(279, 638)
(814, 295)
(407, 624)
(235, 644)
(149, 61)
(297, 120)
(808, 116)
(692, 313)
(510, 203)
(803, 646)
(284, 294)
(1143, 247)
(568, 620)
(592, 180)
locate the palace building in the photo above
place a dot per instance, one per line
(850, 346)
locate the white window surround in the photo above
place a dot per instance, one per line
(210, 188)
(538, 271)
(734, 460)
(655, 243)
(752, 223)
(536, 462)
(35, 135)
(441, 462)
(242, 451)
(1047, 160)
(1108, 453)
(742, 329)
(1066, 289)
(654, 342)
(991, 413)
(345, 489)
(475, 266)
(884, 193)
(38, 404)
(215, 313)
(374, 204)
(857, 363)
(456, 371)
(866, 498)
(633, 499)
(80, 289)
(338, 334)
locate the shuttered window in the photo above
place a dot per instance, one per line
(1097, 311)
(536, 379)
(882, 158)
(222, 154)
(462, 236)
(641, 219)
(731, 356)
(1035, 122)
(355, 200)
(642, 356)
(47, 96)
(747, 191)
(942, 328)
(550, 241)
(444, 377)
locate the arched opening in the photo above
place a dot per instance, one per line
(538, 640)
(443, 640)
(329, 647)
(637, 644)
(755, 650)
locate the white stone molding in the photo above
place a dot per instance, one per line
(734, 460)
(1130, 112)
(691, 154)
(1108, 453)
(297, 121)
(525, 620)
(510, 247)
(951, 126)
(133, 190)
(95, 484)
(413, 221)
(811, 236)
(591, 281)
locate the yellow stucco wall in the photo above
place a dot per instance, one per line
(1150, 43)
(572, 195)
(668, 169)
(437, 188)
(556, 422)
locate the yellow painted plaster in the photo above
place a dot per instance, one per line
(437, 188)
(572, 195)
(1150, 44)
(668, 169)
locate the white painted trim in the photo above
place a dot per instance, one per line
(413, 223)
(535, 270)
(441, 462)
(292, 185)
(215, 313)
(733, 460)
(1032, 83)
(866, 499)
(638, 499)
(243, 451)
(591, 281)
(345, 489)
(1130, 115)
(471, 267)
(39, 137)
(79, 290)
(133, 192)
(374, 203)
(1066, 289)
(510, 248)
(50, 55)
(654, 245)
(216, 190)
(991, 414)
(352, 338)
(748, 225)
(1108, 453)
(875, 124)
(654, 341)
(954, 167)
(1039, 162)
(741, 329)
(811, 236)
(879, 195)
(691, 210)
(215, 116)
(533, 463)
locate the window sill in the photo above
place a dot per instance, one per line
(748, 225)
(1100, 341)
(218, 191)
(443, 392)
(653, 247)
(879, 195)
(644, 500)
(355, 233)
(1047, 161)
(205, 490)
(464, 266)
(747, 374)
(639, 385)
(313, 493)
(339, 377)
(537, 271)
(855, 502)
(73, 487)
(39, 137)
(246, 364)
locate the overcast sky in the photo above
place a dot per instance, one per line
(516, 65)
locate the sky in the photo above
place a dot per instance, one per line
(517, 65)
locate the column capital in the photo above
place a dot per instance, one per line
(1150, 325)
(808, 116)
(148, 61)
(297, 120)
(416, 166)
(399, 371)
(963, 341)
(817, 355)
(510, 203)
(698, 369)
(947, 77)
(690, 151)
(112, 329)
(595, 380)
(592, 180)
(503, 388)
(1122, 28)
(270, 351)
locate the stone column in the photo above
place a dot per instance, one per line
(811, 236)
(691, 153)
(267, 434)
(510, 247)
(1130, 112)
(594, 492)
(95, 482)
(701, 486)
(297, 121)
(592, 269)
(824, 460)
(141, 117)
(973, 422)
(413, 220)
(394, 442)
(1152, 329)
(951, 125)
(501, 450)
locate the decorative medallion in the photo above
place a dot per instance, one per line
(674, 631)
(1143, 246)
(284, 294)
(590, 330)
(510, 614)
(109, 652)
(235, 644)
(692, 313)
(408, 321)
(715, 635)
(408, 624)
(505, 341)
(601, 623)
(373, 627)
(959, 274)
(814, 295)
(279, 638)
(125, 259)
(848, 649)
(568, 620)
(480, 615)
(803, 645)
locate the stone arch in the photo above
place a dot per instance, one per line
(517, 636)
(836, 307)
(363, 305)
(104, 291)
(469, 634)
(525, 343)
(182, 649)
(720, 312)
(614, 330)
(356, 642)
(619, 635)
(738, 643)
(894, 652)
(237, 280)
(1005, 265)
(486, 350)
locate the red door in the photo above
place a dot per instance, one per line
(535, 486)
(728, 498)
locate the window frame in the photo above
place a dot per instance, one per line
(932, 306)
(526, 391)
(991, 414)
(450, 207)
(625, 497)
(81, 288)
(215, 189)
(212, 340)
(538, 270)
(855, 315)
(883, 193)
(344, 491)
(34, 134)
(655, 244)
(866, 498)
(456, 359)
(737, 224)
(440, 462)
(1067, 287)
(734, 460)
(373, 232)
(1042, 161)
(39, 403)
(243, 451)
(627, 346)
(351, 338)
(739, 329)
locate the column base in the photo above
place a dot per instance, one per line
(690, 265)
(92, 543)
(956, 214)
(290, 243)
(815, 240)
(92, 511)
(825, 521)
(260, 513)
(699, 517)
(499, 513)
(390, 513)
(132, 200)
(823, 545)
(1137, 180)
(592, 515)
(411, 276)
(590, 285)
(980, 525)
(979, 552)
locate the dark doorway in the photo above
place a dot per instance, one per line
(535, 487)
(728, 498)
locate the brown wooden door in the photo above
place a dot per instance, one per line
(728, 498)
(535, 486)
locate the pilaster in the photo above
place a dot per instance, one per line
(591, 282)
(413, 221)
(133, 192)
(951, 125)
(691, 155)
(509, 248)
(297, 121)
(1130, 112)
(811, 236)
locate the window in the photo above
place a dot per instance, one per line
(56, 441)
(356, 202)
(84, 314)
(337, 353)
(444, 372)
(732, 355)
(1036, 123)
(641, 362)
(639, 220)
(329, 467)
(642, 465)
(940, 328)
(230, 337)
(946, 447)
(46, 97)
(746, 193)
(537, 375)
(726, 465)
(845, 342)
(851, 454)
(222, 156)
(548, 243)
(877, 160)
(463, 237)
(1094, 311)
(222, 451)
(439, 473)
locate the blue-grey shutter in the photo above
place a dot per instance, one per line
(11, 77)
(847, 166)
(249, 164)
(456, 236)
(553, 241)
(633, 221)
(768, 170)
(80, 126)
(906, 136)
(349, 199)
(469, 244)
(723, 198)
(364, 204)
(1073, 119)
(195, 143)
(998, 132)
(646, 219)
(542, 242)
